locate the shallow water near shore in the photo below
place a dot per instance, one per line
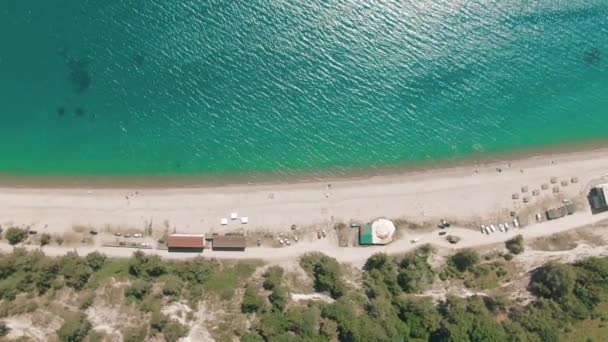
(284, 88)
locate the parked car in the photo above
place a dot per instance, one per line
(259, 242)
(539, 217)
(93, 232)
(443, 233)
(515, 223)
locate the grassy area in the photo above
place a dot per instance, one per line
(555, 242)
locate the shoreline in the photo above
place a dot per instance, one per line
(177, 181)
(457, 193)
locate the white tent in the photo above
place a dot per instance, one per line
(382, 231)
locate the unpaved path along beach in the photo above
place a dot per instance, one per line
(354, 255)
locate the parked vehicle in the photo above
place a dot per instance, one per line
(539, 217)
(259, 242)
(515, 223)
(443, 233)
(501, 227)
(493, 228)
(93, 232)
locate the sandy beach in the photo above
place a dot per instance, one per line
(463, 194)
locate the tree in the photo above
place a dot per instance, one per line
(377, 261)
(464, 260)
(326, 272)
(252, 301)
(416, 273)
(45, 239)
(421, 316)
(74, 330)
(515, 245)
(553, 280)
(15, 235)
(96, 260)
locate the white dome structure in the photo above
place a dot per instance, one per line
(382, 231)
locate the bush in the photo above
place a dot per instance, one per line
(74, 270)
(272, 278)
(515, 245)
(278, 298)
(45, 239)
(138, 290)
(464, 260)
(135, 334)
(173, 331)
(252, 301)
(74, 330)
(96, 260)
(172, 286)
(15, 235)
(145, 266)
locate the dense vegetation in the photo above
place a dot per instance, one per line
(383, 302)
(153, 284)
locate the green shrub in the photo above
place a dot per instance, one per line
(252, 301)
(464, 260)
(74, 270)
(272, 277)
(74, 330)
(45, 239)
(15, 235)
(138, 289)
(96, 260)
(172, 286)
(515, 245)
(278, 298)
(173, 331)
(138, 334)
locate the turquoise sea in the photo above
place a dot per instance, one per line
(151, 87)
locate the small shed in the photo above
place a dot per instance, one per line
(365, 234)
(186, 243)
(229, 243)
